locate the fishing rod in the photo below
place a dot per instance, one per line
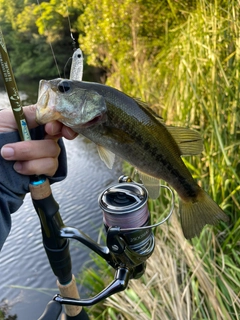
(57, 249)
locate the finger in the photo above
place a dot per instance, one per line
(68, 133)
(46, 166)
(30, 150)
(53, 128)
(30, 115)
(8, 122)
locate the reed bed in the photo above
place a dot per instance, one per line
(194, 81)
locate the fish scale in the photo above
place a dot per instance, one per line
(165, 169)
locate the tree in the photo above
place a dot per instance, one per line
(125, 36)
(38, 36)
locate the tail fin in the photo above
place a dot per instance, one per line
(195, 215)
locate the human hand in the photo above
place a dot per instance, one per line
(35, 156)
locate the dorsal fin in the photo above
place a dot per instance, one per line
(150, 110)
(189, 141)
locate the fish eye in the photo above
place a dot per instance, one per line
(64, 86)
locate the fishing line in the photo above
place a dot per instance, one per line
(49, 42)
(74, 44)
(65, 67)
(125, 206)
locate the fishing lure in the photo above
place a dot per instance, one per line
(76, 72)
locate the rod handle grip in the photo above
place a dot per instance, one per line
(71, 291)
(40, 191)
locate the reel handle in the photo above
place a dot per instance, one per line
(119, 283)
(52, 311)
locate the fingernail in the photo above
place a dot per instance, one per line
(17, 166)
(7, 152)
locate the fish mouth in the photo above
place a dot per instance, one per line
(45, 110)
(95, 121)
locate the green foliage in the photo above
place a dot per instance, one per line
(53, 18)
(32, 31)
(126, 36)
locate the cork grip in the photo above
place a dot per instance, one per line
(41, 191)
(70, 290)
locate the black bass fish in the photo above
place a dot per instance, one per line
(121, 125)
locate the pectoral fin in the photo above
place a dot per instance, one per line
(106, 156)
(189, 141)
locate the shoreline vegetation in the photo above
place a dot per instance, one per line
(183, 59)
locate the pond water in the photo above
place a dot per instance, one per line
(27, 282)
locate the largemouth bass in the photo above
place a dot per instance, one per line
(121, 125)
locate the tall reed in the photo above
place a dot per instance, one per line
(193, 81)
(202, 90)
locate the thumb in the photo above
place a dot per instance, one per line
(30, 115)
(8, 122)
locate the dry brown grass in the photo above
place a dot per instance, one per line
(177, 284)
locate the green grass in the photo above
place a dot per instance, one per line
(194, 81)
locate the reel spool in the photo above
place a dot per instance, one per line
(127, 221)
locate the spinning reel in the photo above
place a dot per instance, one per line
(129, 241)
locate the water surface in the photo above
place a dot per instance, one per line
(23, 262)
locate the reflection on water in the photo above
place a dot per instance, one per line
(23, 262)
